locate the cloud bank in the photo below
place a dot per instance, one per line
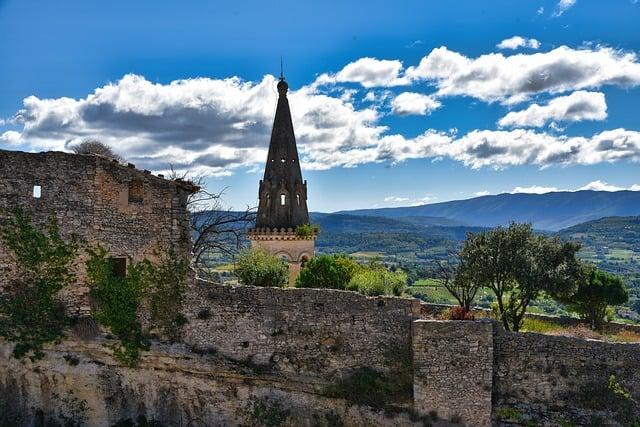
(578, 106)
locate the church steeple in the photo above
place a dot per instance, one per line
(283, 193)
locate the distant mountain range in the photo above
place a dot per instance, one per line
(549, 211)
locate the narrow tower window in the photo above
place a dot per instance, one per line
(283, 199)
(298, 199)
(37, 191)
(267, 198)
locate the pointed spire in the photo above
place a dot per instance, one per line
(283, 193)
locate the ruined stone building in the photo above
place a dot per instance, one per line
(283, 195)
(129, 212)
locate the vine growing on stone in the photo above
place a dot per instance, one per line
(117, 302)
(30, 314)
(167, 284)
(120, 300)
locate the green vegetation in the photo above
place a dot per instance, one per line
(307, 230)
(327, 271)
(340, 271)
(509, 414)
(378, 281)
(167, 284)
(267, 412)
(596, 292)
(118, 300)
(30, 315)
(365, 386)
(519, 266)
(259, 268)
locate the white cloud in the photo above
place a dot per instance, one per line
(578, 106)
(501, 149)
(534, 189)
(511, 79)
(482, 193)
(10, 137)
(562, 7)
(495, 77)
(369, 72)
(423, 200)
(414, 103)
(215, 127)
(600, 186)
(212, 126)
(516, 42)
(395, 199)
(597, 185)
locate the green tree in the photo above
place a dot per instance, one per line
(30, 315)
(259, 268)
(327, 271)
(458, 282)
(518, 266)
(378, 281)
(595, 294)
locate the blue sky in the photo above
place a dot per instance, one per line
(394, 103)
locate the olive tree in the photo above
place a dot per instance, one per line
(518, 266)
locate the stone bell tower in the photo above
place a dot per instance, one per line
(282, 195)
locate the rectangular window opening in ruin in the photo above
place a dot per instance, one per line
(37, 191)
(118, 267)
(136, 191)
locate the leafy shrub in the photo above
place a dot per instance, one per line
(378, 281)
(259, 268)
(327, 271)
(594, 296)
(458, 313)
(307, 230)
(30, 315)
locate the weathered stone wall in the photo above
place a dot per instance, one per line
(90, 196)
(302, 331)
(552, 379)
(453, 369)
(79, 383)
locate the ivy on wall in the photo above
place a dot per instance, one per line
(30, 314)
(119, 300)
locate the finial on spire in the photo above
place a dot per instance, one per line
(282, 84)
(281, 69)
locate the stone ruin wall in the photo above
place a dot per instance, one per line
(287, 345)
(558, 379)
(300, 331)
(90, 196)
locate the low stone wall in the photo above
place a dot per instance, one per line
(553, 379)
(453, 370)
(302, 331)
